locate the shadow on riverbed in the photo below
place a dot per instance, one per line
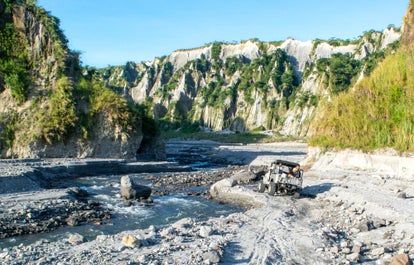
(314, 190)
(233, 249)
(246, 157)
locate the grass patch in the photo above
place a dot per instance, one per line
(243, 138)
(379, 113)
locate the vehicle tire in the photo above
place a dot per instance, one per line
(296, 195)
(261, 187)
(272, 188)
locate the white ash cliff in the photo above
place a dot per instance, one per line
(269, 85)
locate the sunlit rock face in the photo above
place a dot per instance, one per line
(233, 88)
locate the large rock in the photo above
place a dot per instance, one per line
(211, 257)
(227, 191)
(131, 241)
(76, 239)
(221, 185)
(401, 259)
(130, 190)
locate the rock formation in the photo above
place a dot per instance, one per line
(49, 105)
(408, 26)
(131, 190)
(269, 85)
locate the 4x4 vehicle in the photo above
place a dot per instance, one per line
(283, 177)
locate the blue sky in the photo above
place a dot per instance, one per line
(109, 32)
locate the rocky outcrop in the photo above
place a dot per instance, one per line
(45, 111)
(408, 26)
(131, 190)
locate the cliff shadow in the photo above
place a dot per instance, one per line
(246, 157)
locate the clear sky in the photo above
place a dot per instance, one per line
(109, 32)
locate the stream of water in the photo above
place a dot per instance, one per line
(163, 211)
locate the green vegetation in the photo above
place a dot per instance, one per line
(230, 87)
(254, 78)
(307, 99)
(371, 62)
(248, 137)
(167, 72)
(232, 65)
(216, 50)
(56, 119)
(67, 105)
(341, 71)
(8, 123)
(57, 116)
(378, 114)
(14, 66)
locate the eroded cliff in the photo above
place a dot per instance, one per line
(49, 105)
(249, 85)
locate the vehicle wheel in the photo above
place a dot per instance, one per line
(261, 187)
(272, 188)
(296, 195)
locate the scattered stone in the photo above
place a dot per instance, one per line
(340, 203)
(388, 234)
(131, 241)
(205, 231)
(101, 238)
(142, 259)
(76, 239)
(378, 252)
(354, 257)
(335, 249)
(211, 257)
(78, 192)
(402, 195)
(378, 222)
(401, 259)
(354, 231)
(183, 224)
(346, 250)
(73, 220)
(356, 249)
(364, 226)
(166, 232)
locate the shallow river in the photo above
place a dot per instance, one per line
(163, 211)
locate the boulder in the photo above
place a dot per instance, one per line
(378, 252)
(401, 259)
(131, 241)
(402, 195)
(354, 257)
(76, 239)
(205, 231)
(211, 257)
(245, 176)
(220, 186)
(130, 190)
(78, 193)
